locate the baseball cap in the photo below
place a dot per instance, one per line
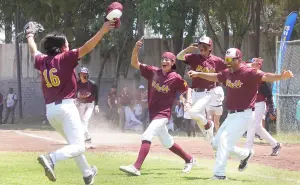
(233, 53)
(170, 56)
(84, 70)
(114, 12)
(141, 87)
(205, 40)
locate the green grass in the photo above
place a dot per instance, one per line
(23, 169)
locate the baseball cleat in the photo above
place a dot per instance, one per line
(244, 163)
(130, 170)
(216, 177)
(276, 150)
(209, 132)
(46, 162)
(90, 179)
(188, 166)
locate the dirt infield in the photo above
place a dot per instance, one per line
(36, 140)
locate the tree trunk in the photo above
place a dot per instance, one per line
(102, 67)
(191, 30)
(257, 27)
(8, 30)
(226, 36)
(178, 41)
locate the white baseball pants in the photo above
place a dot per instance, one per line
(65, 119)
(256, 127)
(158, 127)
(227, 136)
(86, 111)
(201, 101)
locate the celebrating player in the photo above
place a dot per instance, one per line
(59, 87)
(204, 91)
(163, 84)
(241, 85)
(264, 94)
(87, 97)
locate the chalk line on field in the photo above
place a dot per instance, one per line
(240, 173)
(40, 137)
(168, 159)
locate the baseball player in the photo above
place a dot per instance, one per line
(241, 86)
(201, 96)
(59, 87)
(163, 85)
(264, 94)
(87, 98)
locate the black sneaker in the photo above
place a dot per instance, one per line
(90, 179)
(46, 162)
(244, 163)
(216, 177)
(276, 150)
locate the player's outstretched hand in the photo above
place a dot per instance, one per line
(287, 74)
(97, 109)
(107, 26)
(139, 43)
(272, 116)
(192, 74)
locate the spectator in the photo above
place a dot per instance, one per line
(144, 102)
(179, 115)
(1, 107)
(112, 103)
(127, 117)
(10, 103)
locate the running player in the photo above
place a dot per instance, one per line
(198, 56)
(163, 84)
(59, 87)
(241, 86)
(87, 97)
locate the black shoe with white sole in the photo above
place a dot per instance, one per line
(244, 163)
(90, 179)
(46, 162)
(276, 150)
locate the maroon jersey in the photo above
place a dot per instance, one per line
(260, 97)
(58, 75)
(162, 89)
(241, 87)
(212, 64)
(86, 92)
(125, 99)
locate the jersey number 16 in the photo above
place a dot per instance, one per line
(54, 79)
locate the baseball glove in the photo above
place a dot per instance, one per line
(31, 28)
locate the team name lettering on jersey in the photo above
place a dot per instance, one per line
(163, 88)
(205, 69)
(235, 84)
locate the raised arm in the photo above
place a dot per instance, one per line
(91, 44)
(190, 49)
(135, 54)
(32, 45)
(271, 77)
(213, 77)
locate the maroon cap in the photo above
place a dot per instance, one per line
(170, 56)
(117, 8)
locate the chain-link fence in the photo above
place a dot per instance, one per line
(288, 93)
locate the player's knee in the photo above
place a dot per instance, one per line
(147, 137)
(167, 142)
(80, 149)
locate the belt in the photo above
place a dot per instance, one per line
(217, 106)
(57, 102)
(235, 111)
(204, 89)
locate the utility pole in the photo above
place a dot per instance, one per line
(19, 70)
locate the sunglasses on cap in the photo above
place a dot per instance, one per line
(166, 59)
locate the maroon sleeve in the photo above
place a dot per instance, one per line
(188, 58)
(222, 77)
(38, 59)
(221, 65)
(147, 71)
(182, 85)
(255, 75)
(70, 59)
